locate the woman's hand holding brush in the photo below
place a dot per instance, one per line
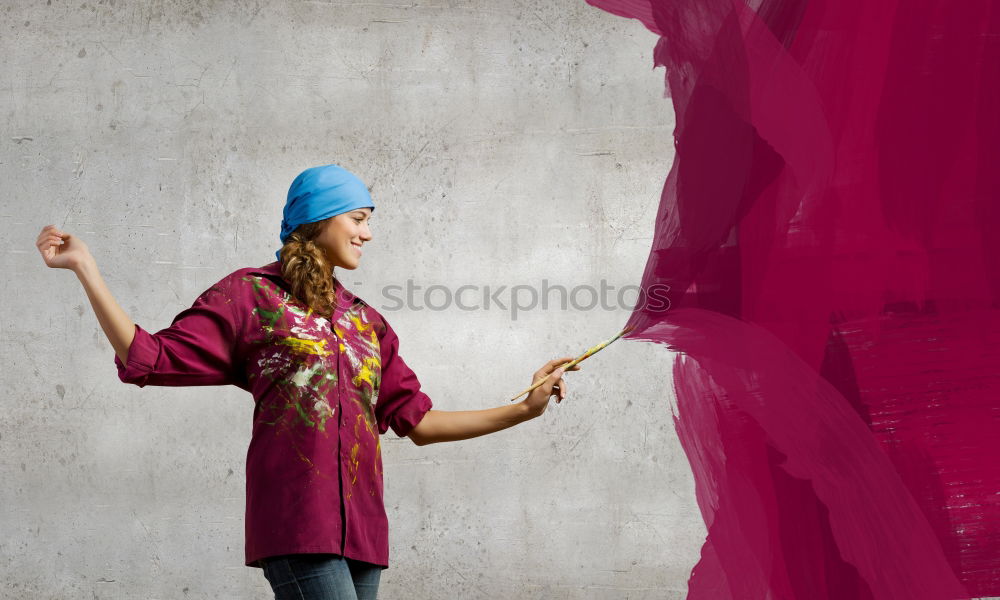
(552, 384)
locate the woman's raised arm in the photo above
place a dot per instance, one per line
(60, 250)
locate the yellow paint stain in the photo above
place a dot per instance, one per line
(341, 346)
(304, 458)
(354, 461)
(367, 417)
(360, 325)
(367, 372)
(378, 456)
(300, 346)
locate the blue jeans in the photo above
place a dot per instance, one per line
(321, 577)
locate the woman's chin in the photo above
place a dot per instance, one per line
(350, 263)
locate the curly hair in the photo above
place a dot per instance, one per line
(305, 267)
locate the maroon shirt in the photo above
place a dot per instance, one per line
(324, 392)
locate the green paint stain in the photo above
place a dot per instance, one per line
(270, 316)
(304, 415)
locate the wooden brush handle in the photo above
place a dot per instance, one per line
(592, 351)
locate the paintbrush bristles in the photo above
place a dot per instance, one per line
(590, 352)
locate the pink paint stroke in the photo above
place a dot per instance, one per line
(827, 230)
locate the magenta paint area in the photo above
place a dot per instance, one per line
(827, 231)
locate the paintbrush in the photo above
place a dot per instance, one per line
(575, 361)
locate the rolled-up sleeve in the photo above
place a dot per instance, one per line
(400, 403)
(198, 348)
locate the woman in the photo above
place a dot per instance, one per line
(327, 379)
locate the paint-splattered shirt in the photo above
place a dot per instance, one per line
(323, 390)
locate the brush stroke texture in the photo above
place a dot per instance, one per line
(827, 233)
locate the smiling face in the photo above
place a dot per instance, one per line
(343, 236)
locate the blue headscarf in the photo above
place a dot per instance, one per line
(320, 193)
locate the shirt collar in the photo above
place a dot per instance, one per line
(344, 297)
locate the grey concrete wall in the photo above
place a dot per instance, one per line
(506, 143)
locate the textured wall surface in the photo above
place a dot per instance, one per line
(505, 146)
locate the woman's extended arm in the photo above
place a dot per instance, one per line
(61, 250)
(450, 426)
